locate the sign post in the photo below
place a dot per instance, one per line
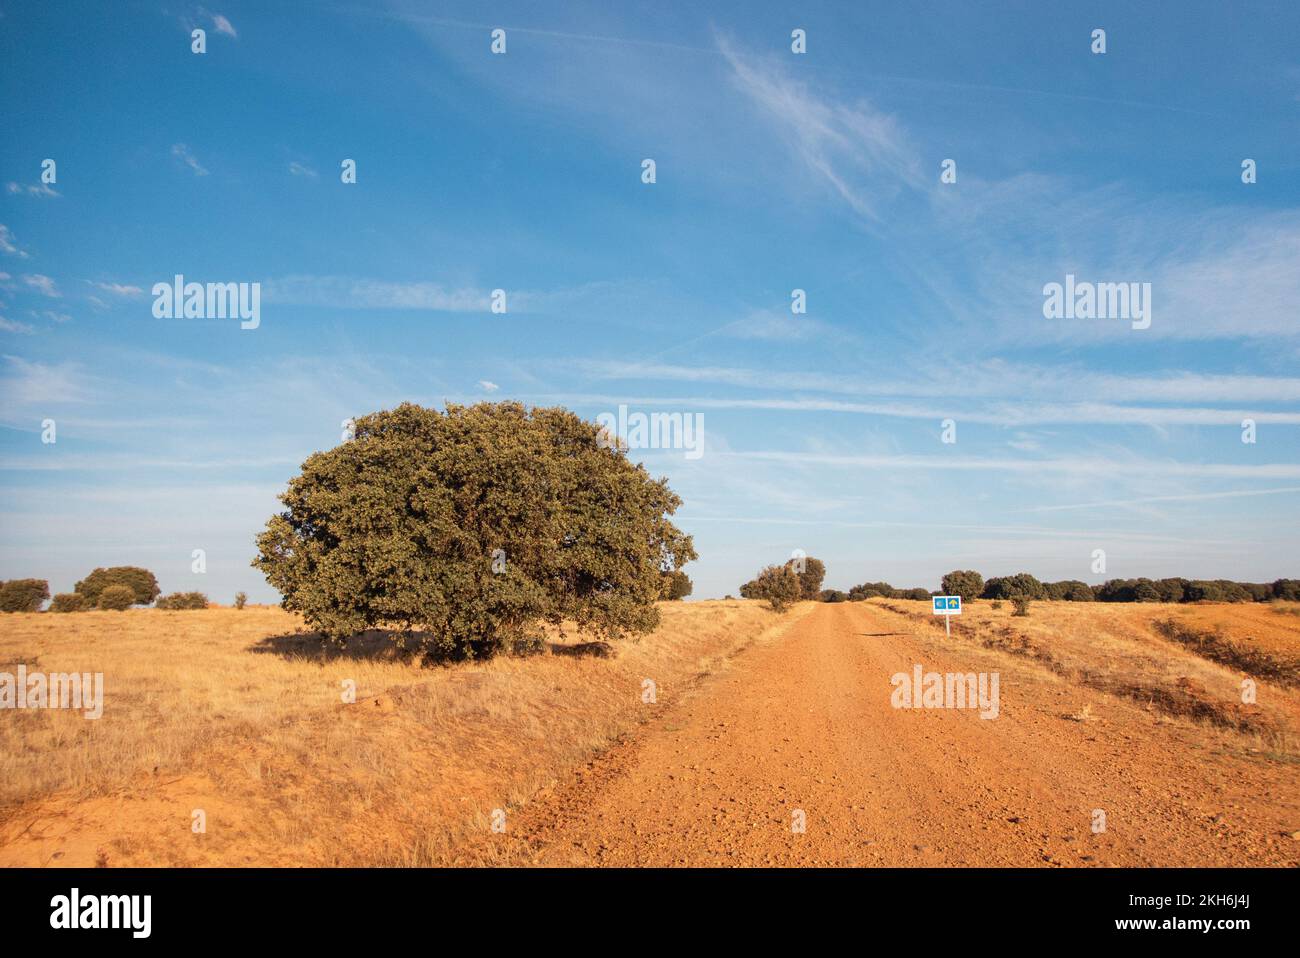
(947, 606)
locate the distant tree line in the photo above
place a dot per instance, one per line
(113, 589)
(871, 590)
(971, 585)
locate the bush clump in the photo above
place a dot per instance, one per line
(1020, 605)
(23, 595)
(141, 582)
(116, 598)
(963, 582)
(179, 601)
(475, 525)
(1020, 585)
(241, 599)
(69, 602)
(779, 585)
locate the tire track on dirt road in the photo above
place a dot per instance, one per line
(805, 724)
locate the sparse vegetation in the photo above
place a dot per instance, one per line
(241, 599)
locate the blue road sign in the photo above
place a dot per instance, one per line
(947, 605)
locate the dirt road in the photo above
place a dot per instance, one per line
(804, 724)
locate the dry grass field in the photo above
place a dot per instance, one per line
(1129, 649)
(239, 713)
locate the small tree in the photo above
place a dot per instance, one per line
(778, 584)
(1009, 587)
(69, 602)
(676, 585)
(1020, 604)
(833, 595)
(23, 595)
(963, 582)
(116, 598)
(241, 600)
(141, 582)
(810, 579)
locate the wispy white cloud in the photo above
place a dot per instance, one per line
(186, 156)
(8, 244)
(861, 152)
(299, 169)
(117, 289)
(1074, 466)
(348, 293)
(488, 386)
(39, 189)
(27, 387)
(1187, 497)
(223, 25)
(43, 285)
(13, 326)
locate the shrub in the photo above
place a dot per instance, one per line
(833, 595)
(116, 598)
(1146, 591)
(1009, 587)
(676, 585)
(778, 584)
(997, 603)
(963, 582)
(1171, 590)
(399, 526)
(178, 601)
(1116, 590)
(69, 602)
(1287, 589)
(810, 579)
(141, 582)
(1234, 591)
(921, 594)
(241, 599)
(870, 590)
(23, 595)
(1021, 604)
(1259, 591)
(1203, 591)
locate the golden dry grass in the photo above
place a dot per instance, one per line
(1118, 647)
(239, 713)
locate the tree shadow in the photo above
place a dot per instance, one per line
(583, 650)
(386, 645)
(373, 645)
(875, 634)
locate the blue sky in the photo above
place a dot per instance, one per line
(775, 171)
